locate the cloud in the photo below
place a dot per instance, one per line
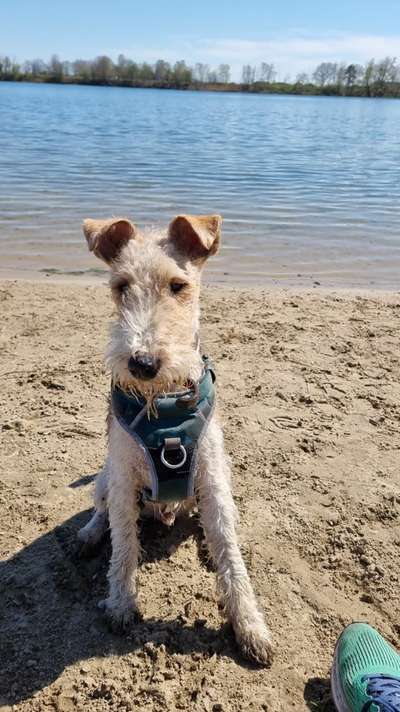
(291, 54)
(294, 54)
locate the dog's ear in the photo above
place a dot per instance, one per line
(106, 238)
(197, 236)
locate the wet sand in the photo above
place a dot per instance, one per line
(281, 268)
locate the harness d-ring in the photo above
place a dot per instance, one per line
(170, 464)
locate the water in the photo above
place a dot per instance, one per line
(309, 187)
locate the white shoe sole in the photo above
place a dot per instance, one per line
(336, 686)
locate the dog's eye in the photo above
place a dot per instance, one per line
(176, 287)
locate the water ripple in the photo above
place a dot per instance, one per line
(300, 180)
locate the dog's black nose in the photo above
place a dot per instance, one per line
(144, 366)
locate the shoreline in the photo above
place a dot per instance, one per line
(275, 283)
(263, 88)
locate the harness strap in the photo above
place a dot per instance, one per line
(171, 439)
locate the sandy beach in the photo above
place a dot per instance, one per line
(309, 387)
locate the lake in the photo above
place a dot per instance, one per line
(309, 187)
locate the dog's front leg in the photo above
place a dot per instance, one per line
(92, 533)
(219, 518)
(123, 512)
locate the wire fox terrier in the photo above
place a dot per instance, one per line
(154, 354)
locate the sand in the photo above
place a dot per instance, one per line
(310, 395)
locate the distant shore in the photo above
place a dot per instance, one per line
(258, 87)
(376, 78)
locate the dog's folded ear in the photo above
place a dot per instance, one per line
(106, 238)
(197, 236)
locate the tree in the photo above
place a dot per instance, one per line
(38, 68)
(103, 69)
(267, 72)
(162, 71)
(302, 78)
(126, 70)
(121, 68)
(351, 75)
(320, 74)
(332, 72)
(223, 73)
(56, 72)
(66, 68)
(325, 73)
(82, 70)
(5, 61)
(201, 72)
(132, 71)
(340, 78)
(369, 71)
(248, 74)
(385, 73)
(182, 74)
(9, 68)
(146, 72)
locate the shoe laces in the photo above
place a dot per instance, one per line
(385, 692)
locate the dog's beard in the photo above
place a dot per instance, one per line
(168, 380)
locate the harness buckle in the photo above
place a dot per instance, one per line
(189, 400)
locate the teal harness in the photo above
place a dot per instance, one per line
(170, 439)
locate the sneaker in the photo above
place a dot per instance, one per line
(366, 672)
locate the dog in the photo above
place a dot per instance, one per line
(153, 351)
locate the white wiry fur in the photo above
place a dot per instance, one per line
(152, 319)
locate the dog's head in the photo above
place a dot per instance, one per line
(155, 283)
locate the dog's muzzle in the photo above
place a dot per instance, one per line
(144, 366)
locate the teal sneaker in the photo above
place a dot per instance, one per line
(366, 672)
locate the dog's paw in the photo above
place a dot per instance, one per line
(256, 645)
(119, 617)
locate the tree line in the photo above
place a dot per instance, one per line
(374, 79)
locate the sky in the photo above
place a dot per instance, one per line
(293, 34)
